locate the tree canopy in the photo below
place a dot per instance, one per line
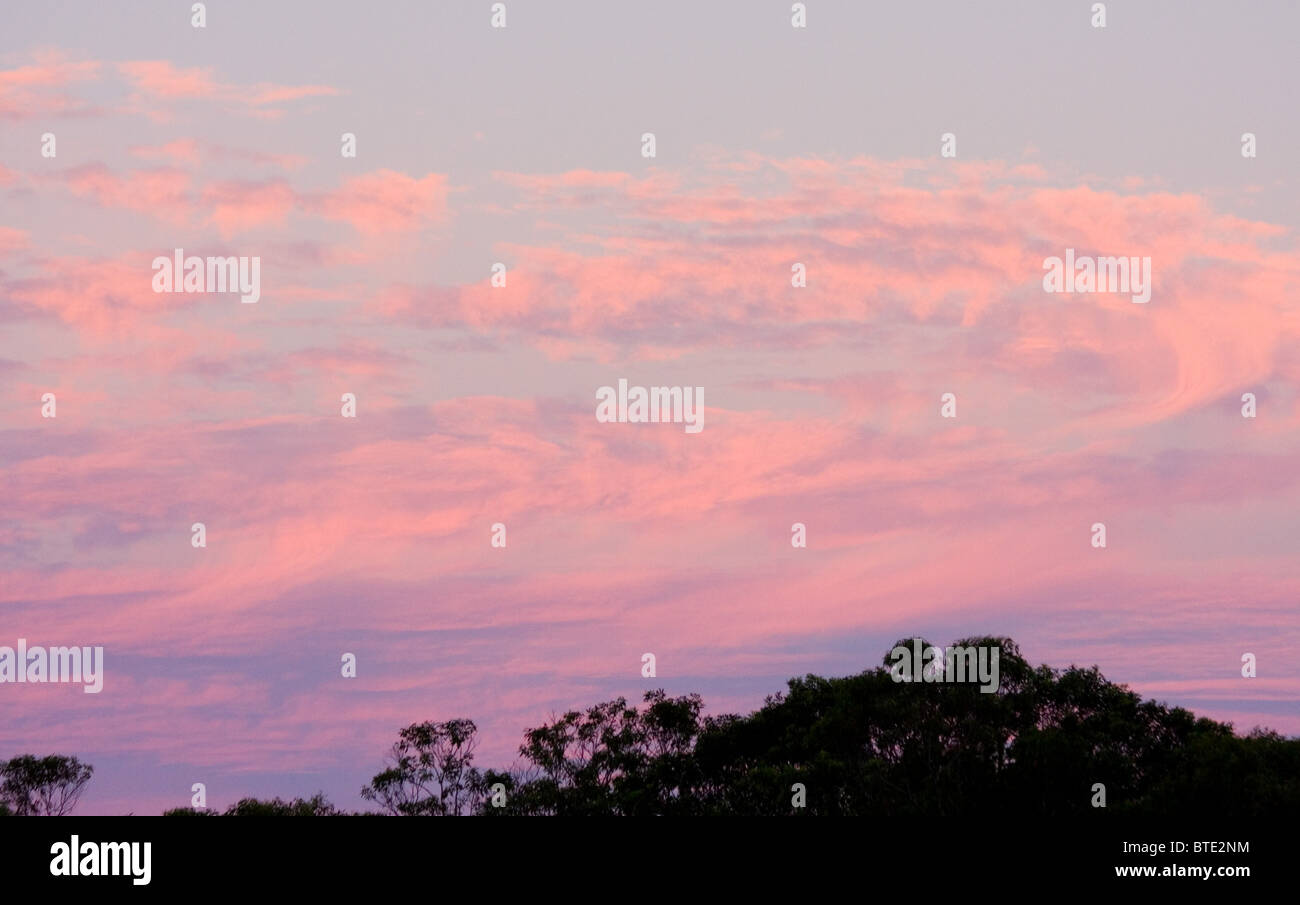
(49, 786)
(1043, 742)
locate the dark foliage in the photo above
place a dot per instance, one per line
(863, 745)
(33, 786)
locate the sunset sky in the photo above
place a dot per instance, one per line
(476, 405)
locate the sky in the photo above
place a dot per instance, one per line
(476, 404)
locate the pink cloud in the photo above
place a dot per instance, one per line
(37, 89)
(385, 201)
(12, 240)
(162, 192)
(239, 206)
(182, 150)
(376, 203)
(161, 80)
(98, 296)
(822, 408)
(967, 251)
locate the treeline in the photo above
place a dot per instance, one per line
(1049, 742)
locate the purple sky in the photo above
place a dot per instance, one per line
(476, 404)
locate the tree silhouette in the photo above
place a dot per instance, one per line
(316, 806)
(866, 744)
(33, 786)
(870, 745)
(610, 759)
(431, 772)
